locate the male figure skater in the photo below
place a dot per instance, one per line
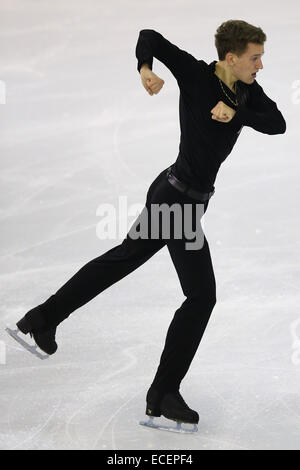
(216, 101)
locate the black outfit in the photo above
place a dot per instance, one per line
(204, 144)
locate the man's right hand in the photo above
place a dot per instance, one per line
(151, 82)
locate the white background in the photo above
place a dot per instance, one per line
(78, 130)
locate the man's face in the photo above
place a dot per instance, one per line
(245, 66)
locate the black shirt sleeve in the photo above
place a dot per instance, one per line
(261, 113)
(152, 44)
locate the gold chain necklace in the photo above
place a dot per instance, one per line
(235, 103)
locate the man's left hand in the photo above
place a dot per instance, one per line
(222, 113)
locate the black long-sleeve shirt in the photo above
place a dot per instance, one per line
(204, 142)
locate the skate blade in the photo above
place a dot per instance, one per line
(28, 347)
(178, 428)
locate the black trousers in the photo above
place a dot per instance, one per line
(193, 266)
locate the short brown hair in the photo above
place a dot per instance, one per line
(234, 36)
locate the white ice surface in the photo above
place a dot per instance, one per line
(77, 130)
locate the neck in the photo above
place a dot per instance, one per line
(225, 74)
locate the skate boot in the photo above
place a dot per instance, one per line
(153, 400)
(172, 406)
(44, 337)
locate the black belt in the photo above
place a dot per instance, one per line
(184, 188)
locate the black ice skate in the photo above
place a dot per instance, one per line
(171, 406)
(44, 337)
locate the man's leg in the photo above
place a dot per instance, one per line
(97, 275)
(94, 277)
(195, 272)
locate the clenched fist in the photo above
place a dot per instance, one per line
(222, 113)
(151, 82)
